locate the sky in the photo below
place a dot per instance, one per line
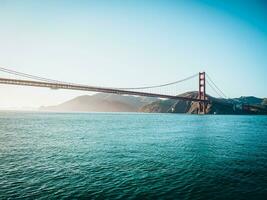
(120, 43)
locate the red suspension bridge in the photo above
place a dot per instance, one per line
(148, 91)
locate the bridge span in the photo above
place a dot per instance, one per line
(147, 91)
(70, 86)
(201, 98)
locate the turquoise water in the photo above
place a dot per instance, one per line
(132, 156)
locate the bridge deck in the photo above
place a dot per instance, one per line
(69, 86)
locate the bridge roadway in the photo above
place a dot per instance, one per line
(71, 86)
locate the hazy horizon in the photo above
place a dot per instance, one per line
(133, 43)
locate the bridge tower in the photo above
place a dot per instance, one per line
(202, 92)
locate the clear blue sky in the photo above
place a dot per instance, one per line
(132, 43)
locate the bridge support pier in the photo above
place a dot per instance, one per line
(202, 93)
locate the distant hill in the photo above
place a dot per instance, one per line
(250, 100)
(217, 105)
(102, 102)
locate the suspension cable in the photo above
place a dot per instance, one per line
(28, 75)
(162, 85)
(39, 78)
(216, 87)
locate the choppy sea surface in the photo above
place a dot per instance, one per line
(132, 156)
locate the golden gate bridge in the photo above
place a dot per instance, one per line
(147, 91)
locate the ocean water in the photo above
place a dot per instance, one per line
(132, 156)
